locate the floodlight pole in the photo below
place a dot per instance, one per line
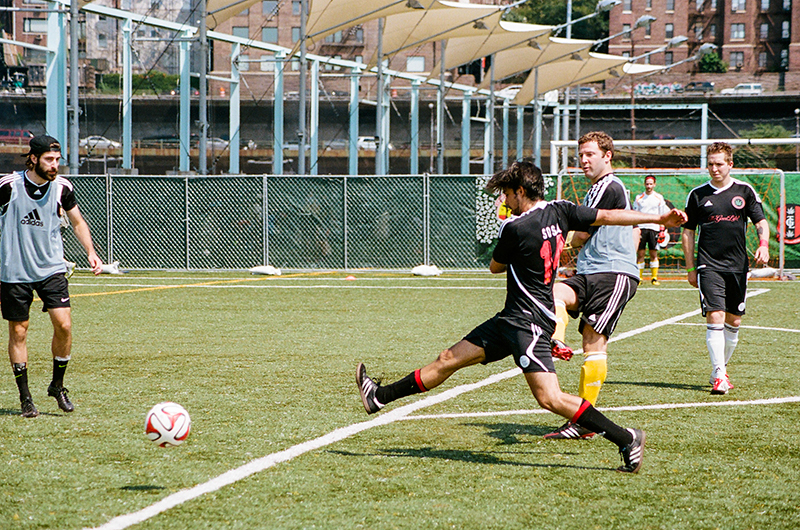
(633, 112)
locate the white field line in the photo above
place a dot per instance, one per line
(320, 286)
(664, 406)
(744, 327)
(260, 464)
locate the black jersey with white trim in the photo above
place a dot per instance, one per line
(721, 215)
(531, 245)
(67, 199)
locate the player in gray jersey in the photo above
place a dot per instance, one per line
(32, 260)
(607, 276)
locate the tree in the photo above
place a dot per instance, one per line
(554, 12)
(712, 64)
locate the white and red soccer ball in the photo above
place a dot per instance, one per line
(167, 424)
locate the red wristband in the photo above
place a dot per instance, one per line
(763, 243)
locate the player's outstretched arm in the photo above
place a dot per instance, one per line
(674, 217)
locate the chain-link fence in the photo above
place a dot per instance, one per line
(293, 222)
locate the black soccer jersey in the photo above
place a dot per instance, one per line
(721, 216)
(530, 245)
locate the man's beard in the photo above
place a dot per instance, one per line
(43, 173)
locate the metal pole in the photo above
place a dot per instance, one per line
(352, 140)
(466, 113)
(313, 140)
(797, 135)
(203, 101)
(127, 95)
(234, 125)
(185, 113)
(379, 101)
(431, 167)
(413, 157)
(278, 115)
(301, 114)
(74, 87)
(440, 116)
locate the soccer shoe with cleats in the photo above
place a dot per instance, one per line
(570, 431)
(727, 380)
(633, 453)
(367, 388)
(655, 282)
(720, 386)
(60, 393)
(28, 408)
(559, 350)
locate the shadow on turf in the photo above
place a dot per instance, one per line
(474, 457)
(16, 412)
(675, 386)
(143, 488)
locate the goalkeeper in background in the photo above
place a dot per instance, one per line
(651, 234)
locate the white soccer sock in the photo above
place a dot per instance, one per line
(731, 334)
(715, 341)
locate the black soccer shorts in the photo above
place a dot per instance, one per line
(528, 343)
(16, 298)
(722, 291)
(648, 239)
(601, 299)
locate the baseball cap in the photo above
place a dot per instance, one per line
(43, 144)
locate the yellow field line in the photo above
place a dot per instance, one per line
(203, 284)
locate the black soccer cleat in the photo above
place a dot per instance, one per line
(60, 393)
(569, 431)
(28, 408)
(633, 453)
(367, 388)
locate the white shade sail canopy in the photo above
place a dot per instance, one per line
(451, 20)
(218, 11)
(326, 17)
(597, 67)
(519, 60)
(505, 36)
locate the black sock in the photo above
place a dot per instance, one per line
(59, 368)
(21, 377)
(410, 384)
(594, 420)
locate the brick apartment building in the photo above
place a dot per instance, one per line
(753, 36)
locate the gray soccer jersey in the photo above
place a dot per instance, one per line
(31, 248)
(610, 249)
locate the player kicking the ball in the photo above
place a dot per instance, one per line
(529, 247)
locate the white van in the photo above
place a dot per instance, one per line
(743, 89)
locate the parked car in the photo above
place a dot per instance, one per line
(15, 136)
(217, 144)
(698, 86)
(743, 89)
(98, 142)
(368, 143)
(585, 92)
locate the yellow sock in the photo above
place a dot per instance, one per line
(562, 318)
(641, 269)
(653, 270)
(593, 375)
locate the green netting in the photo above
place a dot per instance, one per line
(339, 222)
